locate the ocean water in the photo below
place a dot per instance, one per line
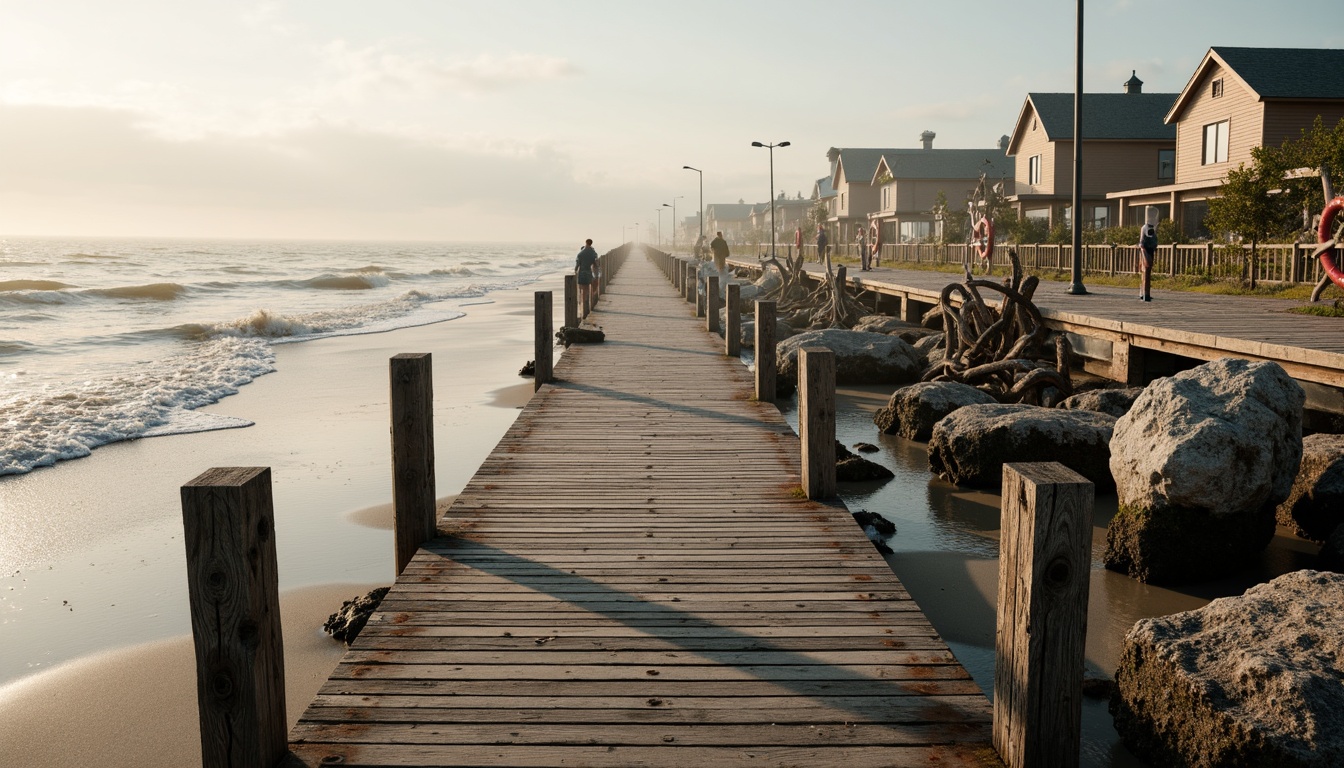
(103, 340)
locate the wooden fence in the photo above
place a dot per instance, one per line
(1276, 263)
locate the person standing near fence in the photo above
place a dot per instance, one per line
(585, 266)
(1147, 252)
(875, 237)
(863, 250)
(821, 244)
(798, 241)
(719, 247)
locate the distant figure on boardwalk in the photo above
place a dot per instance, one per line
(875, 242)
(798, 241)
(585, 269)
(863, 249)
(719, 246)
(1147, 252)
(822, 244)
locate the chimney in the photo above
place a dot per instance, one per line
(1133, 84)
(926, 138)
(1004, 141)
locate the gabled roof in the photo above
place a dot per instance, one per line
(1273, 73)
(943, 164)
(728, 211)
(823, 189)
(858, 163)
(1106, 117)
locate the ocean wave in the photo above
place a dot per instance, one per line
(155, 291)
(362, 282)
(15, 347)
(454, 271)
(261, 324)
(84, 256)
(32, 285)
(68, 422)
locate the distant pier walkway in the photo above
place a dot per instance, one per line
(632, 579)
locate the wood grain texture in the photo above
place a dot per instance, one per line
(816, 420)
(413, 498)
(229, 530)
(630, 580)
(1044, 562)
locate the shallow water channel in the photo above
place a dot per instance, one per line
(945, 551)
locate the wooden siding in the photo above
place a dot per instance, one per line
(1035, 142)
(1285, 120)
(1237, 105)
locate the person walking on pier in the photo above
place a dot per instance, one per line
(1147, 252)
(719, 247)
(585, 269)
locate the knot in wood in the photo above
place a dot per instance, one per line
(1058, 572)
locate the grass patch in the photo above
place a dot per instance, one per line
(1321, 310)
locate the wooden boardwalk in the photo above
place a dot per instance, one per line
(630, 579)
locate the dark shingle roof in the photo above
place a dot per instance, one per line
(860, 163)
(947, 163)
(1288, 73)
(1137, 116)
(823, 188)
(728, 211)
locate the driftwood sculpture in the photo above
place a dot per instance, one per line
(999, 349)
(828, 304)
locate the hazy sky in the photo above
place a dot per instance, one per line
(528, 121)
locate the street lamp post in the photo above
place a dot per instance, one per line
(659, 242)
(771, 147)
(702, 197)
(674, 221)
(1076, 287)
(660, 225)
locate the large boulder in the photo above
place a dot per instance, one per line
(884, 324)
(971, 445)
(1112, 402)
(912, 411)
(1254, 680)
(1200, 462)
(860, 358)
(1315, 505)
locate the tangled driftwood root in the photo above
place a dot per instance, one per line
(1000, 349)
(828, 304)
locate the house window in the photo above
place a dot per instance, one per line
(1101, 217)
(915, 231)
(1215, 143)
(1038, 214)
(1166, 164)
(842, 199)
(886, 198)
(1034, 170)
(1217, 89)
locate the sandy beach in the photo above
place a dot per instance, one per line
(98, 664)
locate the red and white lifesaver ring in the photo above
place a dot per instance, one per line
(1324, 233)
(983, 234)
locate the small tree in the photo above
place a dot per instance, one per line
(1250, 205)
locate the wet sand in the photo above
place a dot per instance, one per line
(97, 665)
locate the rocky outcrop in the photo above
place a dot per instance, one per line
(853, 468)
(912, 411)
(1112, 402)
(1315, 505)
(860, 358)
(883, 324)
(1331, 556)
(346, 623)
(1200, 462)
(971, 445)
(1254, 680)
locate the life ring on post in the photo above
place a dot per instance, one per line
(1325, 234)
(983, 234)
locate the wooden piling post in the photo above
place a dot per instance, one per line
(229, 529)
(693, 288)
(572, 301)
(816, 420)
(765, 351)
(413, 499)
(543, 367)
(712, 304)
(732, 322)
(1044, 565)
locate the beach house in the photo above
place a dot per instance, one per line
(909, 181)
(1127, 144)
(853, 170)
(1237, 99)
(732, 219)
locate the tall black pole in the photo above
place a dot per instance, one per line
(1076, 214)
(702, 199)
(772, 201)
